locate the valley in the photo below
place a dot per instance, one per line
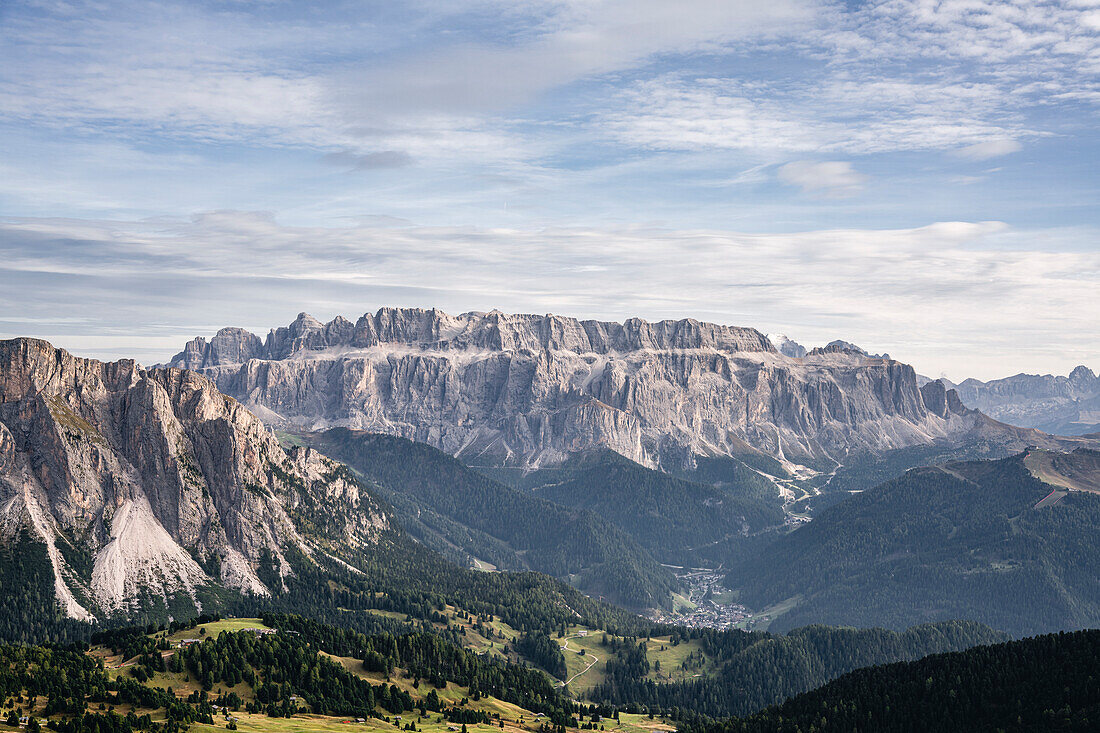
(156, 498)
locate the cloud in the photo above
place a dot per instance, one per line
(873, 115)
(370, 161)
(977, 298)
(881, 77)
(834, 178)
(989, 149)
(563, 43)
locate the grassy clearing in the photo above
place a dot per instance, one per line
(452, 694)
(216, 627)
(761, 620)
(582, 673)
(473, 638)
(483, 566)
(1072, 472)
(290, 440)
(681, 604)
(672, 660)
(640, 724)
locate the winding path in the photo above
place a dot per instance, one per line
(565, 648)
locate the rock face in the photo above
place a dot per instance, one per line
(150, 484)
(1063, 405)
(785, 346)
(530, 390)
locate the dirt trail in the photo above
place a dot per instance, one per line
(565, 648)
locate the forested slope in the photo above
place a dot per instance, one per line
(462, 513)
(1046, 683)
(964, 540)
(755, 669)
(673, 518)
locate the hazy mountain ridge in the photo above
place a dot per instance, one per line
(531, 390)
(151, 486)
(1068, 405)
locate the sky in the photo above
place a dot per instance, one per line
(919, 177)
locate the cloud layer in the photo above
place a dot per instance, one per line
(778, 164)
(144, 287)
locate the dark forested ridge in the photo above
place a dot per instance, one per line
(671, 517)
(462, 513)
(756, 669)
(29, 611)
(964, 540)
(1046, 683)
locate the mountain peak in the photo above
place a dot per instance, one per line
(165, 484)
(786, 346)
(1082, 374)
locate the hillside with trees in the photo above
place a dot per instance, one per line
(1046, 683)
(964, 540)
(755, 669)
(464, 514)
(674, 519)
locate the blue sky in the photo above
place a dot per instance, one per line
(916, 176)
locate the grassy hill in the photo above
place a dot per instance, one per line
(289, 673)
(980, 540)
(285, 673)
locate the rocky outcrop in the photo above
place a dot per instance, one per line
(844, 347)
(941, 401)
(161, 484)
(229, 345)
(1067, 405)
(786, 346)
(530, 390)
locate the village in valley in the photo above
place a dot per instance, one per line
(706, 603)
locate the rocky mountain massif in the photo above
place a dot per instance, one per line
(149, 488)
(529, 391)
(1061, 405)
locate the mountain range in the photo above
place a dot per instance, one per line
(529, 391)
(1067, 405)
(599, 453)
(1011, 543)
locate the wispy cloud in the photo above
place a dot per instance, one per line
(593, 157)
(896, 290)
(990, 149)
(370, 161)
(834, 178)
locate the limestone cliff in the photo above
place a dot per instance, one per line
(150, 484)
(530, 390)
